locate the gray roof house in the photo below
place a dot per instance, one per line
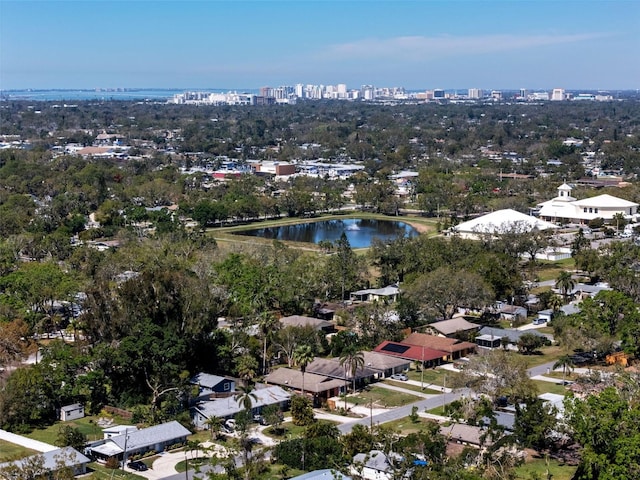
(302, 321)
(385, 364)
(491, 337)
(54, 460)
(228, 407)
(210, 385)
(157, 438)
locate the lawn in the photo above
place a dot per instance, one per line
(382, 398)
(86, 425)
(414, 388)
(406, 426)
(551, 270)
(547, 354)
(290, 430)
(11, 451)
(435, 376)
(548, 387)
(537, 468)
(100, 472)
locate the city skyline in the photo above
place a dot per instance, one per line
(585, 45)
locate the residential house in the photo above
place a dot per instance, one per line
(54, 460)
(386, 365)
(116, 430)
(225, 408)
(452, 347)
(213, 385)
(457, 326)
(388, 294)
(375, 465)
(319, 387)
(302, 321)
(330, 367)
(157, 438)
(512, 313)
(413, 353)
(491, 337)
(71, 412)
(463, 434)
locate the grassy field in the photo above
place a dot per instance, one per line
(86, 425)
(382, 398)
(99, 472)
(11, 451)
(551, 270)
(548, 387)
(433, 376)
(537, 469)
(413, 388)
(406, 426)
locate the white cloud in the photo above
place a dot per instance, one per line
(419, 48)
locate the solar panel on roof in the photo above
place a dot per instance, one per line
(395, 348)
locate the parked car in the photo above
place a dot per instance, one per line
(399, 376)
(137, 465)
(259, 419)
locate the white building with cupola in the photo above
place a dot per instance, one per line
(565, 208)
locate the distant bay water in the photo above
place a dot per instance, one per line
(141, 94)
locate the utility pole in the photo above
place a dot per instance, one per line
(422, 370)
(124, 454)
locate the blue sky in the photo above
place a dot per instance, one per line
(588, 44)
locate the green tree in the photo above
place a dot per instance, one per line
(445, 289)
(608, 428)
(69, 436)
(535, 424)
(301, 411)
(530, 343)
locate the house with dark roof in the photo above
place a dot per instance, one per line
(319, 387)
(213, 385)
(330, 367)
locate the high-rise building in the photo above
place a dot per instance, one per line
(438, 93)
(558, 95)
(475, 93)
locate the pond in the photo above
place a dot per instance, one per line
(360, 232)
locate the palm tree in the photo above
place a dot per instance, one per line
(245, 396)
(214, 425)
(303, 356)
(351, 360)
(565, 283)
(555, 303)
(268, 324)
(567, 366)
(246, 367)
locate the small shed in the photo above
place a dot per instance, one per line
(71, 412)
